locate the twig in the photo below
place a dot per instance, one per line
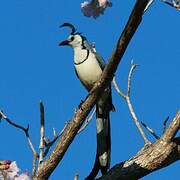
(165, 124)
(41, 144)
(150, 130)
(26, 131)
(13, 124)
(173, 3)
(118, 89)
(133, 67)
(148, 5)
(136, 120)
(76, 177)
(171, 131)
(88, 120)
(128, 100)
(54, 132)
(49, 143)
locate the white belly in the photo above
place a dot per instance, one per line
(89, 71)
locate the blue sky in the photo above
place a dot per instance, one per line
(34, 68)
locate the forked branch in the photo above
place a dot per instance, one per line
(88, 120)
(150, 130)
(26, 132)
(127, 98)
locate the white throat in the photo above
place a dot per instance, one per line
(80, 54)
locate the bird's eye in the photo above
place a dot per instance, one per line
(72, 38)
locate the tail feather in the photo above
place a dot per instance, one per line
(103, 139)
(102, 161)
(103, 108)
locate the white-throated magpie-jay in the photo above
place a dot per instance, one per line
(88, 67)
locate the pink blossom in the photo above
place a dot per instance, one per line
(103, 3)
(95, 7)
(23, 176)
(13, 173)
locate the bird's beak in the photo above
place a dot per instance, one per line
(64, 43)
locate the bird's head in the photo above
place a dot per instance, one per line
(75, 39)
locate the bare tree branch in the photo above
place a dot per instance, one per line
(49, 143)
(74, 125)
(173, 3)
(131, 109)
(173, 129)
(76, 177)
(26, 131)
(88, 120)
(118, 89)
(133, 114)
(150, 130)
(34, 168)
(132, 69)
(165, 124)
(42, 136)
(128, 101)
(150, 158)
(14, 124)
(148, 5)
(54, 132)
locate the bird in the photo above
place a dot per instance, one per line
(89, 66)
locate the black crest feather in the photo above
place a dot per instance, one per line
(73, 29)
